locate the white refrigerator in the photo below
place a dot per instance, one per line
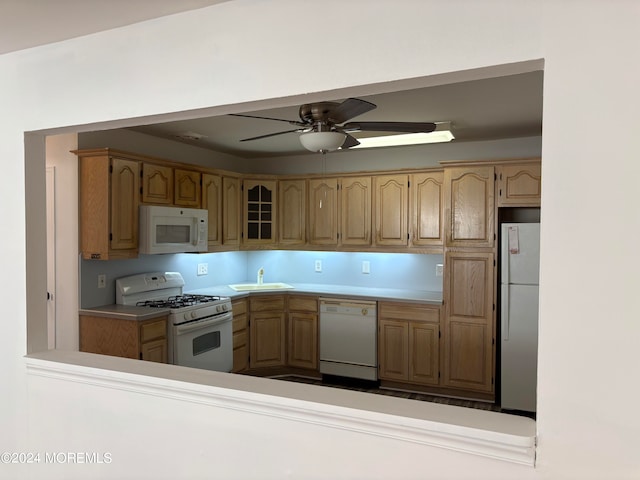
(520, 265)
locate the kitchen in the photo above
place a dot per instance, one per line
(404, 270)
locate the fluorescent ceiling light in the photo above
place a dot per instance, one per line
(441, 134)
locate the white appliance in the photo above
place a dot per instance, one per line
(348, 338)
(520, 265)
(200, 326)
(173, 229)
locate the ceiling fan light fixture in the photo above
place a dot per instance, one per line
(441, 134)
(322, 141)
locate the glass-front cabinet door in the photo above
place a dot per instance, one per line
(259, 211)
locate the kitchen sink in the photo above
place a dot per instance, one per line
(247, 287)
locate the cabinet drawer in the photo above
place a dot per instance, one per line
(239, 339)
(303, 304)
(154, 329)
(266, 303)
(239, 307)
(409, 311)
(239, 323)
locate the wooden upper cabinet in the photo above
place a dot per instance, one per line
(157, 184)
(323, 211)
(427, 195)
(391, 210)
(124, 205)
(231, 210)
(468, 334)
(469, 206)
(356, 211)
(259, 211)
(212, 202)
(519, 185)
(292, 206)
(109, 199)
(187, 188)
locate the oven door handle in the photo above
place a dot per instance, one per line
(204, 323)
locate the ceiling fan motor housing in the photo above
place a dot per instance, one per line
(317, 112)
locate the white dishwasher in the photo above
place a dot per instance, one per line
(348, 338)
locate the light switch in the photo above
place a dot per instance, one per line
(366, 266)
(203, 269)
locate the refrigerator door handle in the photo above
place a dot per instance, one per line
(504, 312)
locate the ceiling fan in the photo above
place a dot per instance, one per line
(323, 129)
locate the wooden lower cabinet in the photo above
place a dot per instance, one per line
(302, 330)
(119, 337)
(267, 333)
(240, 335)
(408, 342)
(469, 325)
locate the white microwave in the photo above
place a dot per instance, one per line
(173, 229)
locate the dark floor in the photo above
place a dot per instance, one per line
(372, 387)
(302, 376)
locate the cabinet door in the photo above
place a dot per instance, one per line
(323, 211)
(240, 336)
(212, 202)
(468, 335)
(519, 185)
(391, 210)
(267, 339)
(157, 184)
(125, 191)
(426, 208)
(303, 340)
(187, 188)
(231, 201)
(393, 352)
(292, 206)
(469, 203)
(259, 211)
(355, 195)
(154, 351)
(424, 352)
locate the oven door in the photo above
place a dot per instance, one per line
(205, 343)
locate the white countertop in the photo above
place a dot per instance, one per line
(125, 312)
(339, 291)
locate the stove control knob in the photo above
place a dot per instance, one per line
(186, 316)
(193, 314)
(224, 307)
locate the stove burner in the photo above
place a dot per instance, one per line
(179, 301)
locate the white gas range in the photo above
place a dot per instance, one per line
(200, 326)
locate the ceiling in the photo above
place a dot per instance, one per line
(487, 109)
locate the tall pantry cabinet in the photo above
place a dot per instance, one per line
(469, 278)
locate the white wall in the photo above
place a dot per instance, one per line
(245, 51)
(58, 148)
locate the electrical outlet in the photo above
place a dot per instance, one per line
(102, 281)
(203, 269)
(366, 266)
(439, 270)
(318, 265)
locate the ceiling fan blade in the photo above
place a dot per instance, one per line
(350, 142)
(269, 135)
(405, 127)
(291, 122)
(351, 107)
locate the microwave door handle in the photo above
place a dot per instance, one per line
(196, 241)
